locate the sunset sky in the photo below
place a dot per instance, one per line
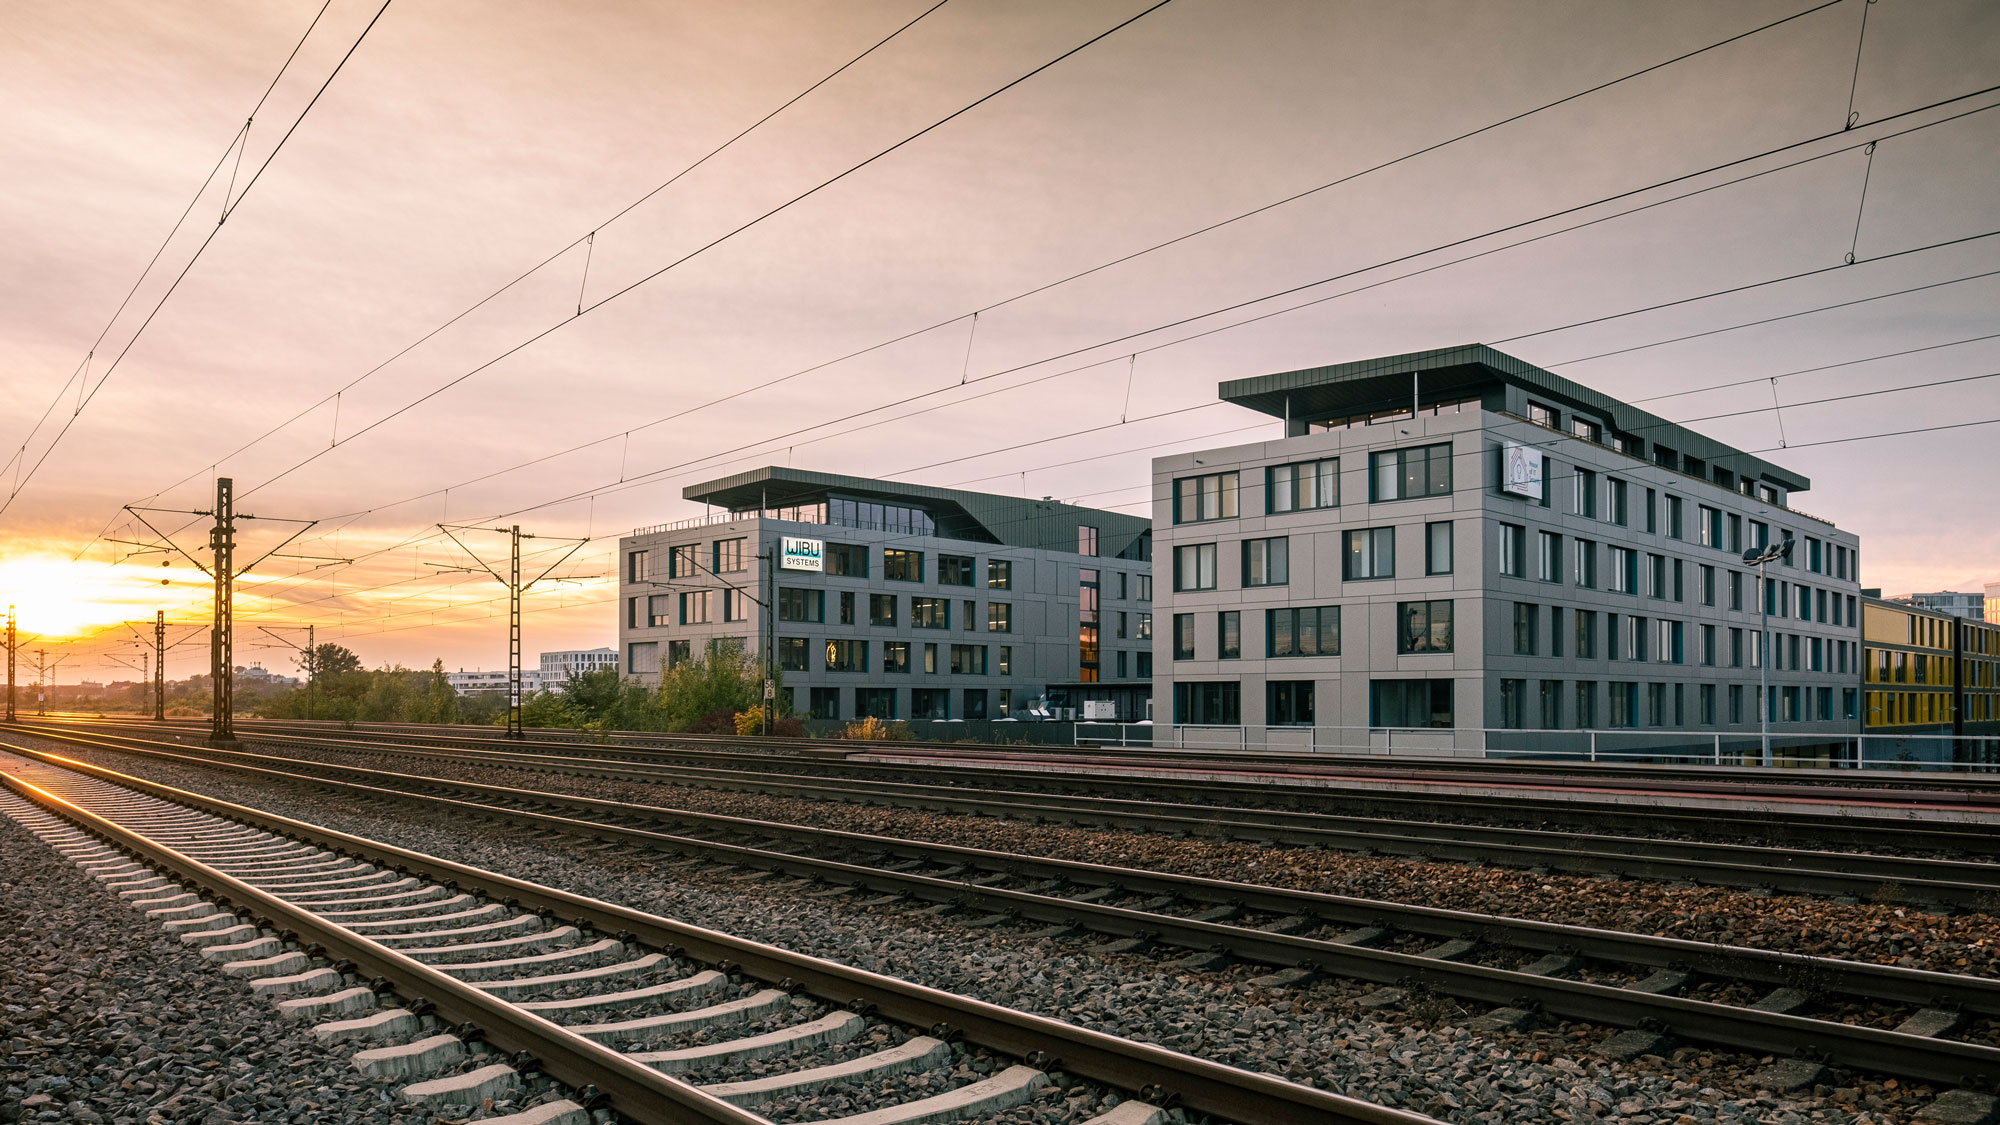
(463, 143)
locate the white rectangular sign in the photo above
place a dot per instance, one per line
(1521, 470)
(802, 554)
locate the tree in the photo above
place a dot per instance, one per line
(333, 660)
(696, 695)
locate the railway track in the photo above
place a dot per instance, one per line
(1885, 1019)
(1882, 825)
(1940, 883)
(337, 928)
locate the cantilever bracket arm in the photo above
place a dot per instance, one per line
(168, 539)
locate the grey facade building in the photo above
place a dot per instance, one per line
(1949, 602)
(1454, 540)
(922, 602)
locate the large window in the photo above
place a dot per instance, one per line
(954, 570)
(1586, 492)
(968, 660)
(1369, 553)
(1624, 565)
(1586, 564)
(825, 702)
(1513, 550)
(1409, 703)
(1624, 703)
(1511, 692)
(879, 703)
(642, 658)
(1675, 530)
(1615, 492)
(1000, 617)
(792, 654)
(659, 610)
(1437, 548)
(679, 653)
(735, 605)
(1228, 634)
(902, 566)
(801, 605)
(1527, 628)
(1194, 566)
(1303, 486)
(1086, 540)
(1208, 703)
(1288, 703)
(1302, 631)
(895, 656)
(930, 703)
(639, 566)
(729, 556)
(882, 609)
(684, 561)
(1409, 474)
(881, 517)
(1423, 627)
(1586, 634)
(1183, 636)
(1266, 562)
(848, 560)
(697, 607)
(1549, 557)
(999, 574)
(930, 613)
(1144, 586)
(1211, 497)
(846, 656)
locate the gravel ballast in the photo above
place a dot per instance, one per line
(1420, 1058)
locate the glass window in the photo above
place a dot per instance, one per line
(999, 574)
(1266, 562)
(684, 561)
(1194, 566)
(697, 606)
(1302, 631)
(801, 605)
(1552, 705)
(729, 556)
(679, 653)
(1586, 564)
(1144, 582)
(1544, 415)
(1711, 526)
(1586, 429)
(1511, 692)
(1614, 492)
(642, 658)
(659, 610)
(1586, 634)
(968, 660)
(895, 656)
(1211, 497)
(848, 560)
(1586, 492)
(1586, 704)
(930, 613)
(735, 605)
(1624, 564)
(902, 566)
(1549, 561)
(825, 702)
(1000, 617)
(1437, 548)
(1229, 634)
(1408, 474)
(1624, 703)
(1705, 584)
(1370, 553)
(954, 570)
(1006, 663)
(930, 703)
(1656, 575)
(1183, 636)
(1513, 550)
(1410, 703)
(846, 656)
(1674, 529)
(879, 703)
(1208, 703)
(1303, 486)
(639, 566)
(1527, 628)
(792, 654)
(1086, 540)
(881, 609)
(1145, 632)
(968, 615)
(1288, 702)
(1423, 627)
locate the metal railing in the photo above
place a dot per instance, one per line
(1975, 753)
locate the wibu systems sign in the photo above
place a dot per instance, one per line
(1520, 470)
(802, 554)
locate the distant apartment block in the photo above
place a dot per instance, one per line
(1947, 602)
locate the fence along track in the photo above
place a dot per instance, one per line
(1953, 883)
(631, 1087)
(1916, 1049)
(890, 783)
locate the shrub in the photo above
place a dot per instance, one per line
(750, 722)
(870, 729)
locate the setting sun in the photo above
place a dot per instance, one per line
(57, 598)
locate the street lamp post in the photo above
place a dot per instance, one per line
(1758, 557)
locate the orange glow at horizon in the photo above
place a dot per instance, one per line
(63, 599)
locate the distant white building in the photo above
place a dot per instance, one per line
(1947, 601)
(553, 675)
(255, 674)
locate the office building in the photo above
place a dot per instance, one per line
(1929, 672)
(1948, 602)
(1444, 546)
(899, 601)
(556, 667)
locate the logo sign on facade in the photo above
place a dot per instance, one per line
(802, 554)
(1520, 470)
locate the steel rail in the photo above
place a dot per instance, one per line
(1246, 1097)
(1731, 779)
(1865, 1048)
(634, 1090)
(1609, 772)
(1940, 882)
